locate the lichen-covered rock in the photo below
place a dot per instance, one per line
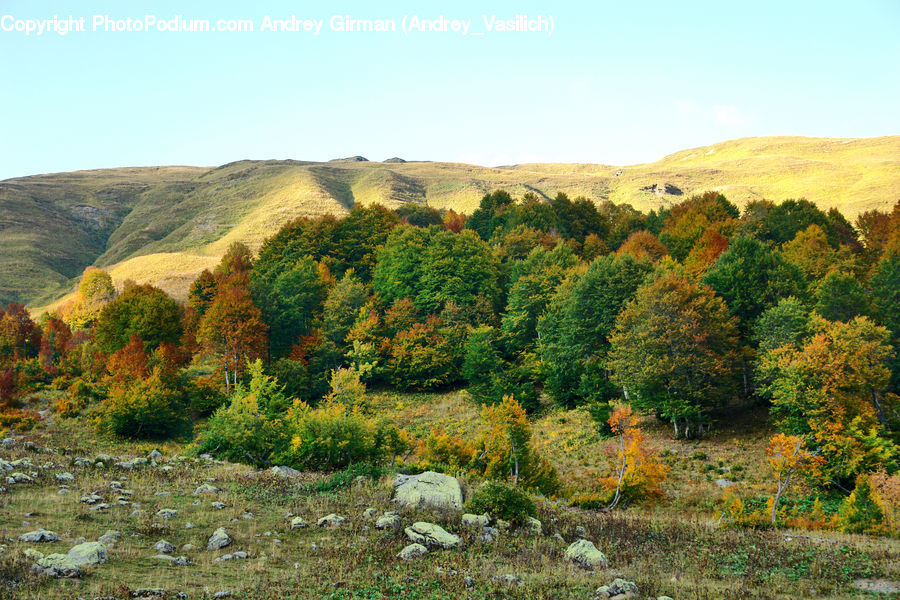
(206, 488)
(331, 520)
(69, 565)
(428, 490)
(533, 526)
(284, 472)
(389, 520)
(475, 521)
(166, 513)
(110, 537)
(585, 554)
(65, 477)
(431, 535)
(299, 523)
(219, 539)
(164, 547)
(39, 536)
(412, 551)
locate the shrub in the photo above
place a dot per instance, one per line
(421, 358)
(148, 409)
(204, 396)
(343, 479)
(444, 452)
(503, 501)
(861, 512)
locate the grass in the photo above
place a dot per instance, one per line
(674, 548)
(146, 223)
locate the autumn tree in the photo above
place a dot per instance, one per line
(232, 329)
(20, 337)
(830, 388)
(688, 221)
(342, 306)
(787, 455)
(643, 245)
(95, 290)
(637, 474)
(202, 292)
(674, 350)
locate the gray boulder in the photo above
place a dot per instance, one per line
(39, 536)
(331, 520)
(164, 547)
(219, 539)
(389, 520)
(431, 535)
(70, 564)
(618, 589)
(428, 490)
(412, 551)
(585, 554)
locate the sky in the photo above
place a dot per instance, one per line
(613, 83)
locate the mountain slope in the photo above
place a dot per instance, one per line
(165, 224)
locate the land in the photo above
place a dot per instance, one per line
(164, 225)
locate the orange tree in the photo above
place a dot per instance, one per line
(787, 454)
(830, 388)
(638, 473)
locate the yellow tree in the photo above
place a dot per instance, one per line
(637, 469)
(786, 455)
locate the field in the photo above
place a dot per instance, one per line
(674, 548)
(165, 224)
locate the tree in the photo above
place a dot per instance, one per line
(787, 323)
(358, 237)
(840, 297)
(688, 220)
(95, 290)
(458, 268)
(752, 277)
(884, 291)
(573, 333)
(202, 292)
(420, 358)
(637, 473)
(232, 329)
(399, 264)
(534, 281)
(787, 454)
(237, 259)
(481, 363)
(145, 409)
(140, 310)
(811, 252)
(861, 511)
(675, 351)
(643, 245)
(342, 308)
(490, 214)
(830, 387)
(20, 337)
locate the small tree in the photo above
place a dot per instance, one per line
(637, 471)
(787, 455)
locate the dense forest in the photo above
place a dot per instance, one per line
(692, 315)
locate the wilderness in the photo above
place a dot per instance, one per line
(543, 396)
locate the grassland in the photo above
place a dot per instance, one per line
(674, 548)
(164, 224)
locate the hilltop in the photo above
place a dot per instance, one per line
(165, 224)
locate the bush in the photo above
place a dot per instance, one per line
(147, 409)
(204, 397)
(421, 359)
(334, 437)
(503, 501)
(444, 452)
(861, 512)
(343, 479)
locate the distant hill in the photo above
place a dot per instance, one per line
(165, 224)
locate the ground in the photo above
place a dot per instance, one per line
(674, 548)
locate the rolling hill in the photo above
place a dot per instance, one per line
(165, 224)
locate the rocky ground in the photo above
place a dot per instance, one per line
(79, 524)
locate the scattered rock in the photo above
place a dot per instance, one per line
(412, 551)
(164, 547)
(724, 483)
(219, 539)
(178, 561)
(369, 513)
(110, 537)
(619, 589)
(69, 565)
(389, 520)
(580, 532)
(65, 477)
(218, 505)
(878, 586)
(476, 521)
(39, 536)
(585, 554)
(154, 454)
(428, 490)
(331, 520)
(299, 523)
(533, 526)
(429, 534)
(284, 472)
(206, 488)
(166, 513)
(509, 580)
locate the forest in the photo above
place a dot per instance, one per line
(694, 317)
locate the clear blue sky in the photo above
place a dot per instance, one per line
(616, 83)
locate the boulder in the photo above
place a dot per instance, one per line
(585, 554)
(412, 551)
(110, 537)
(166, 513)
(476, 521)
(331, 520)
(299, 523)
(533, 526)
(389, 520)
(431, 535)
(178, 561)
(164, 547)
(284, 472)
(69, 565)
(65, 477)
(206, 488)
(428, 490)
(219, 539)
(39, 536)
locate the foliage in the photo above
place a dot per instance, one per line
(502, 501)
(787, 454)
(421, 358)
(638, 473)
(147, 409)
(840, 297)
(95, 290)
(861, 512)
(674, 350)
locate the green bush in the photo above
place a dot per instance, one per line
(343, 479)
(204, 397)
(861, 512)
(147, 409)
(503, 501)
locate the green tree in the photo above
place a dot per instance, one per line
(399, 265)
(675, 352)
(459, 268)
(342, 308)
(840, 297)
(141, 310)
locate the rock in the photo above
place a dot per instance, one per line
(412, 551)
(91, 499)
(188, 548)
(154, 454)
(18, 477)
(98, 507)
(164, 547)
(178, 561)
(509, 580)
(206, 488)
(166, 513)
(618, 589)
(489, 534)
(219, 539)
(369, 513)
(284, 472)
(585, 554)
(222, 594)
(724, 483)
(8, 442)
(475, 521)
(580, 532)
(331, 520)
(65, 477)
(104, 458)
(5, 466)
(428, 490)
(299, 523)
(533, 526)
(32, 554)
(39, 536)
(559, 538)
(389, 520)
(69, 565)
(110, 537)
(429, 534)
(218, 505)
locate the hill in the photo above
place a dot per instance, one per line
(165, 224)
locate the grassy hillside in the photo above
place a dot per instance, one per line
(164, 224)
